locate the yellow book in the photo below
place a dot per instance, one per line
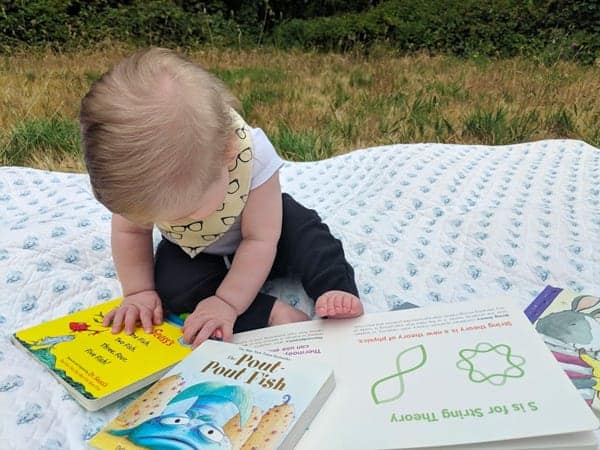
(96, 366)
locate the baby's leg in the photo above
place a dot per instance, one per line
(307, 247)
(283, 313)
(181, 281)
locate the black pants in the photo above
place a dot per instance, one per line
(306, 249)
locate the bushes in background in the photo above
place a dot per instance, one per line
(557, 29)
(79, 23)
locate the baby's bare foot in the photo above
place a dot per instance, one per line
(283, 312)
(338, 305)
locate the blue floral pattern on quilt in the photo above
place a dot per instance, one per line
(423, 223)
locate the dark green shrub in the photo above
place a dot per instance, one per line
(547, 29)
(461, 27)
(64, 23)
(35, 22)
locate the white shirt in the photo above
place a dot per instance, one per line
(265, 163)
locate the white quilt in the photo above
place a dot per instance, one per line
(421, 223)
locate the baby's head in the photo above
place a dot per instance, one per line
(156, 132)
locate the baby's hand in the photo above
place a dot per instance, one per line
(210, 315)
(144, 306)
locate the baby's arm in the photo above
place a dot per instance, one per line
(134, 260)
(261, 228)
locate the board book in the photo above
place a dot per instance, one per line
(465, 375)
(224, 396)
(568, 323)
(95, 366)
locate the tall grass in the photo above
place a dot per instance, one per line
(56, 137)
(314, 105)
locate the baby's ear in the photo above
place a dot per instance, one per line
(231, 152)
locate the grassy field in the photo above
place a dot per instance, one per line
(317, 105)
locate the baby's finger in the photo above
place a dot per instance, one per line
(117, 321)
(227, 333)
(157, 315)
(146, 318)
(204, 333)
(191, 327)
(217, 335)
(108, 318)
(131, 318)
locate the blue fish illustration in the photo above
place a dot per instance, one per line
(193, 419)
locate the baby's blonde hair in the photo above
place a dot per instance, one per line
(155, 129)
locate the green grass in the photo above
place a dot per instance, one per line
(315, 105)
(360, 79)
(266, 85)
(561, 122)
(56, 137)
(231, 77)
(341, 96)
(498, 127)
(305, 145)
(259, 96)
(92, 75)
(453, 90)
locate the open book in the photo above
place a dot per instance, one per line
(568, 323)
(456, 375)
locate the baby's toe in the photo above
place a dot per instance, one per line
(338, 305)
(347, 304)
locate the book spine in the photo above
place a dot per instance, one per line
(541, 302)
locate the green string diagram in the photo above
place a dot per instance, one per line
(415, 355)
(512, 362)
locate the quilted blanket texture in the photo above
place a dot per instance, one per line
(421, 223)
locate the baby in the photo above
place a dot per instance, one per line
(165, 147)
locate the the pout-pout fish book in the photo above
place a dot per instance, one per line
(223, 396)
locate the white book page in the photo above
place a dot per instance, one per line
(307, 340)
(451, 374)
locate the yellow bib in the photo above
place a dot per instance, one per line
(195, 236)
